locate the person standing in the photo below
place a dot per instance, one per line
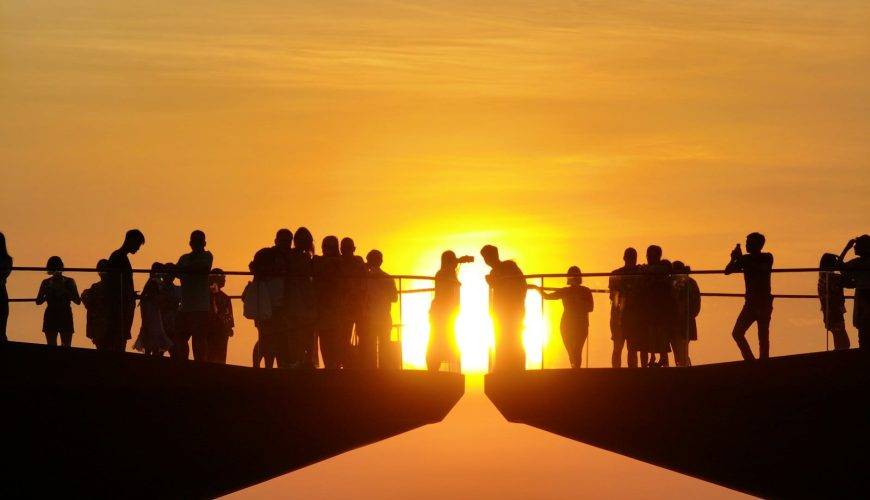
(758, 305)
(857, 272)
(622, 304)
(659, 308)
(327, 274)
(352, 288)
(443, 345)
(221, 322)
(375, 348)
(833, 300)
(192, 322)
(152, 339)
(170, 300)
(687, 296)
(121, 296)
(280, 322)
(507, 305)
(95, 301)
(5, 271)
(301, 303)
(57, 291)
(577, 303)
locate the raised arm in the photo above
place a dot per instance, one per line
(848, 247)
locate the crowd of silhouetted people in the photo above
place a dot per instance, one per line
(336, 307)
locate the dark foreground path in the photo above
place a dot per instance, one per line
(78, 423)
(796, 426)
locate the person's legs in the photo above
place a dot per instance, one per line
(741, 326)
(367, 350)
(180, 349)
(4, 313)
(51, 338)
(66, 339)
(387, 358)
(680, 347)
(838, 331)
(763, 322)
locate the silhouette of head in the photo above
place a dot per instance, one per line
(197, 241)
(449, 260)
(630, 257)
(103, 268)
(133, 241)
(347, 247)
(169, 272)
(575, 277)
(490, 255)
(375, 259)
(666, 264)
(303, 240)
(754, 242)
(828, 261)
(284, 238)
(217, 278)
(263, 262)
(678, 267)
(653, 254)
(54, 265)
(156, 270)
(862, 245)
(4, 252)
(329, 246)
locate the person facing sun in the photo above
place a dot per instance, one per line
(507, 306)
(443, 346)
(577, 303)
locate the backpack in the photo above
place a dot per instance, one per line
(257, 301)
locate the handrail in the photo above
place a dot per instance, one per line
(212, 272)
(717, 294)
(675, 273)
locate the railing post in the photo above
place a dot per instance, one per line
(543, 320)
(399, 330)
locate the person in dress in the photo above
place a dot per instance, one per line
(152, 339)
(58, 292)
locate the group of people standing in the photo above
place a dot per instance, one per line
(335, 301)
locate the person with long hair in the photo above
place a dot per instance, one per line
(5, 270)
(57, 292)
(152, 339)
(443, 312)
(301, 303)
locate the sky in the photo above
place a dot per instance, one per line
(561, 131)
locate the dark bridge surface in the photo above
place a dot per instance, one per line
(123, 425)
(796, 426)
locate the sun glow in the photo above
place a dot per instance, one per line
(473, 327)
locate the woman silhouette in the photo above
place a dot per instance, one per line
(577, 303)
(57, 291)
(443, 312)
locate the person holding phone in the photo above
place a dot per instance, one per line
(443, 346)
(758, 305)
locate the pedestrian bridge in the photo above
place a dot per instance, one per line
(102, 424)
(795, 426)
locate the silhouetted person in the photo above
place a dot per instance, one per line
(152, 339)
(5, 271)
(280, 323)
(443, 345)
(507, 305)
(192, 320)
(57, 291)
(659, 307)
(375, 348)
(95, 299)
(352, 290)
(330, 310)
(122, 296)
(833, 300)
(687, 296)
(170, 301)
(258, 298)
(301, 301)
(857, 271)
(577, 303)
(758, 305)
(221, 320)
(624, 316)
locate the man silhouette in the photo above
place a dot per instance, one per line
(758, 305)
(327, 275)
(193, 316)
(280, 323)
(507, 305)
(374, 332)
(352, 292)
(857, 272)
(121, 295)
(622, 309)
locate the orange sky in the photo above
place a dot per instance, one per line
(562, 131)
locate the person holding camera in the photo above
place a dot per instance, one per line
(758, 306)
(443, 346)
(857, 273)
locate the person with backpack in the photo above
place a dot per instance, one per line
(260, 297)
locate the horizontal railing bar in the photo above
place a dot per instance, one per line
(223, 273)
(700, 271)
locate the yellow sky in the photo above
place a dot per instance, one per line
(562, 131)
